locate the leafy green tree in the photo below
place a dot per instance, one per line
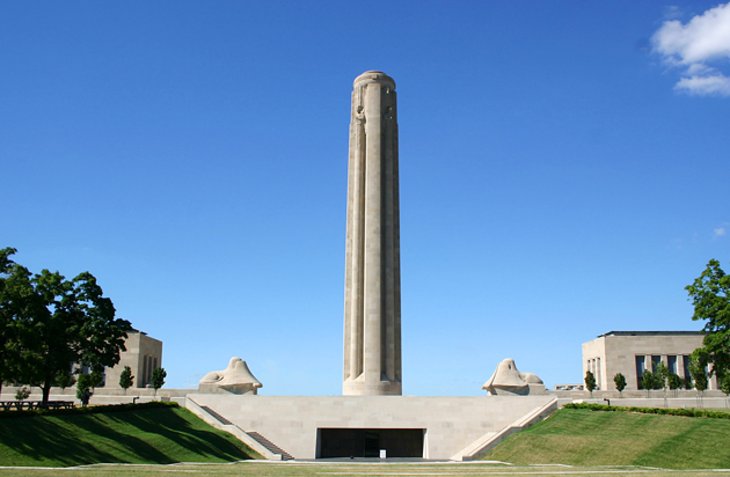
(17, 301)
(710, 295)
(65, 379)
(697, 368)
(49, 322)
(158, 379)
(661, 375)
(648, 382)
(22, 393)
(83, 388)
(620, 381)
(725, 385)
(590, 381)
(126, 379)
(674, 382)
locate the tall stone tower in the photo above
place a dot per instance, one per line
(372, 268)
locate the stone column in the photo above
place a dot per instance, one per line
(372, 263)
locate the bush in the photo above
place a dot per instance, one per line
(620, 381)
(22, 393)
(590, 382)
(668, 411)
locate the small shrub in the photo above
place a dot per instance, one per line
(83, 388)
(590, 382)
(620, 381)
(22, 393)
(126, 379)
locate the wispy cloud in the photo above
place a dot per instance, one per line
(699, 48)
(720, 232)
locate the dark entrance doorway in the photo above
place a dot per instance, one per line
(368, 442)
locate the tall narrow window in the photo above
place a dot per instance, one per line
(655, 360)
(672, 364)
(687, 374)
(639, 370)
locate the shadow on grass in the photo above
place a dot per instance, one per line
(146, 436)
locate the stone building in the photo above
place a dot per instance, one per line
(143, 355)
(631, 353)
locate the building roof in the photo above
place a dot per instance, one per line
(652, 333)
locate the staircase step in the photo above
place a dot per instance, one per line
(270, 445)
(218, 417)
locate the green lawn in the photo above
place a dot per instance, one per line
(288, 469)
(588, 438)
(145, 435)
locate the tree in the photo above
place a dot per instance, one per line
(158, 379)
(620, 381)
(710, 295)
(590, 382)
(697, 368)
(83, 388)
(648, 382)
(725, 385)
(17, 300)
(126, 379)
(675, 382)
(52, 322)
(22, 393)
(661, 376)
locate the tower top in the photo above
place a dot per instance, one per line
(374, 76)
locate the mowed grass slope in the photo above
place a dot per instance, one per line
(148, 435)
(588, 438)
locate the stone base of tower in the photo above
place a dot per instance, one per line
(364, 388)
(438, 428)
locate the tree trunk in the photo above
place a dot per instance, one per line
(46, 388)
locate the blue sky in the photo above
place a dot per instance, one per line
(564, 173)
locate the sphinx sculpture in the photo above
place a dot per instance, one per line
(235, 379)
(508, 380)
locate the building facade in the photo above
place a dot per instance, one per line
(631, 353)
(143, 355)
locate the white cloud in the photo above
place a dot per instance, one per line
(720, 231)
(705, 85)
(691, 46)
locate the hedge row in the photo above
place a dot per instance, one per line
(690, 412)
(89, 409)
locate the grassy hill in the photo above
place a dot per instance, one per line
(143, 434)
(587, 438)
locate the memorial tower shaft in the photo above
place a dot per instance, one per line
(372, 355)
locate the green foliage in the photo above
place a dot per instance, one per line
(590, 381)
(725, 384)
(144, 433)
(674, 381)
(48, 322)
(697, 367)
(83, 388)
(22, 393)
(661, 376)
(158, 378)
(126, 379)
(620, 381)
(64, 379)
(710, 295)
(648, 381)
(667, 411)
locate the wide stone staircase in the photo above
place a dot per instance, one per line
(270, 445)
(254, 440)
